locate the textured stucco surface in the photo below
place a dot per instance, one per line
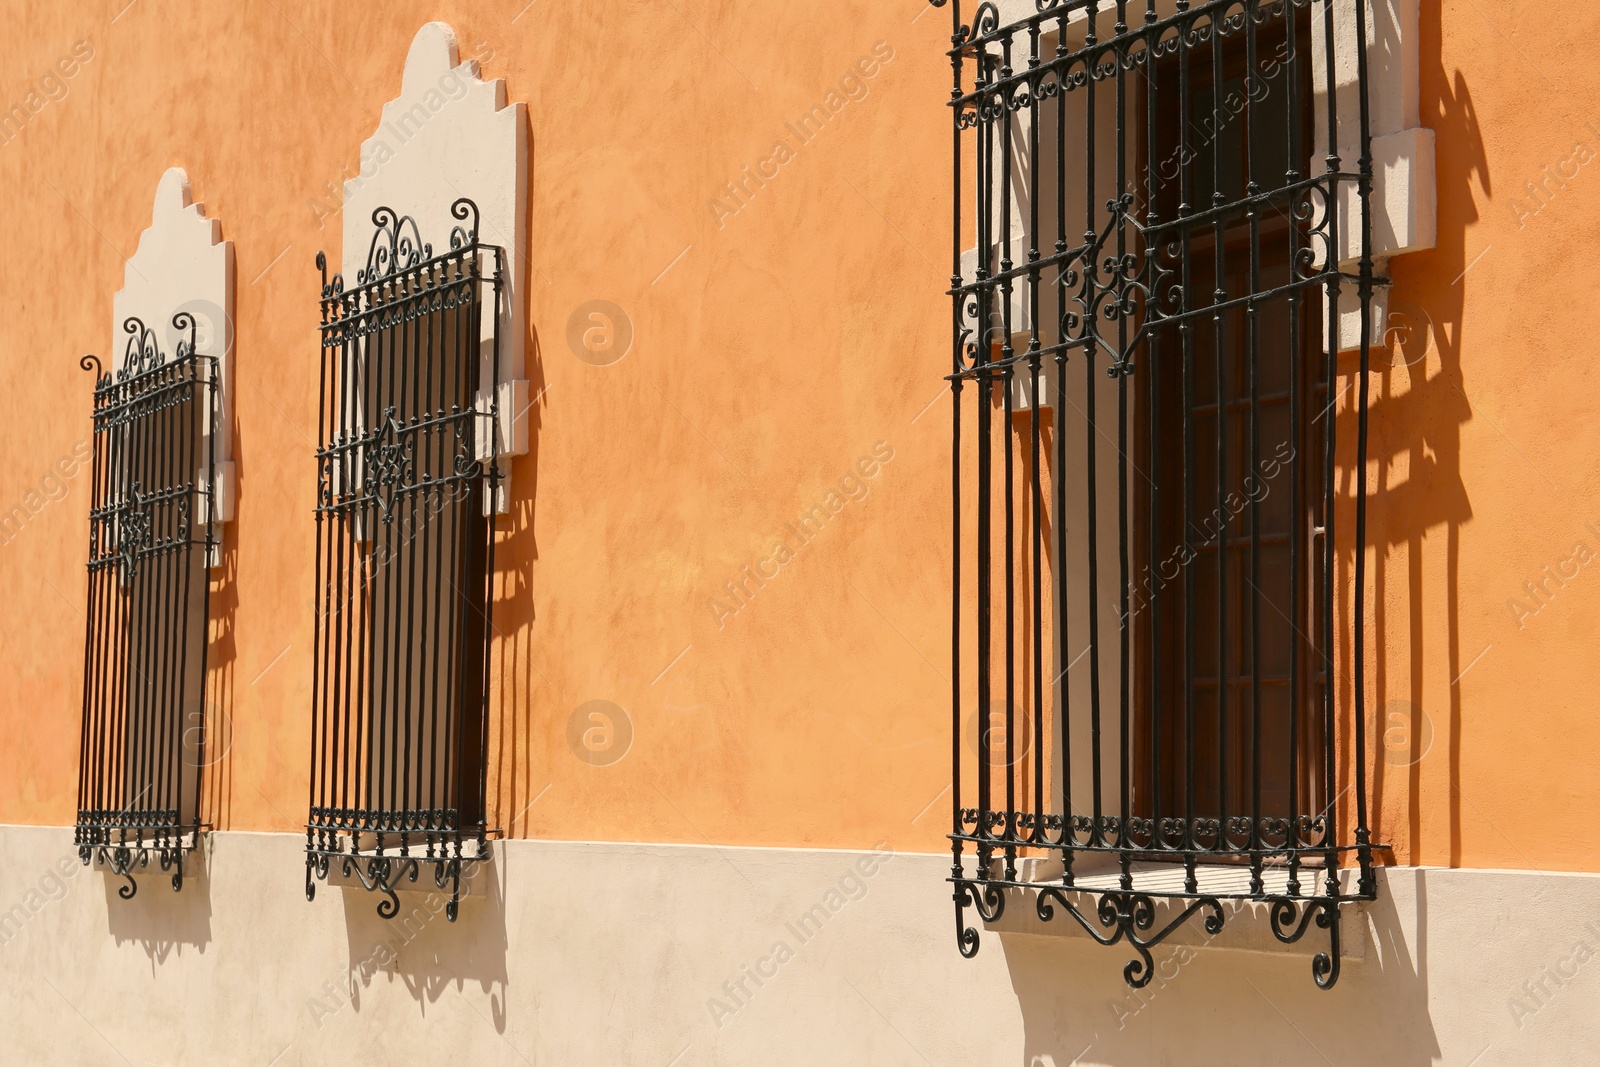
(774, 343)
(610, 953)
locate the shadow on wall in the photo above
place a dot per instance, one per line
(511, 787)
(423, 949)
(216, 787)
(1419, 403)
(1212, 1006)
(160, 921)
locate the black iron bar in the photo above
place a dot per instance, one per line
(1330, 194)
(1297, 519)
(1126, 762)
(1252, 138)
(1036, 403)
(1061, 687)
(957, 360)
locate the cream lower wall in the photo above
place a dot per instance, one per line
(583, 953)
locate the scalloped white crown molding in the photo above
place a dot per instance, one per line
(182, 264)
(450, 134)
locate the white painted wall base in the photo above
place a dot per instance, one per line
(617, 954)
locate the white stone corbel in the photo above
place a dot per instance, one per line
(1404, 200)
(183, 265)
(450, 134)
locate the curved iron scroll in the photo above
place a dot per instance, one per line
(384, 874)
(1121, 915)
(397, 243)
(1291, 918)
(1126, 915)
(123, 860)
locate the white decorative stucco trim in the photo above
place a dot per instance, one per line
(448, 135)
(182, 264)
(1404, 201)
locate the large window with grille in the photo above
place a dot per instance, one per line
(408, 473)
(151, 540)
(1161, 219)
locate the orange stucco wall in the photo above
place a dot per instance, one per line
(774, 348)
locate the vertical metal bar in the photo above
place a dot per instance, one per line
(363, 397)
(317, 782)
(1036, 402)
(94, 636)
(1091, 464)
(1219, 355)
(147, 662)
(1253, 355)
(1007, 382)
(1186, 337)
(458, 356)
(490, 511)
(112, 665)
(212, 542)
(346, 595)
(174, 614)
(983, 360)
(413, 415)
(957, 299)
(1330, 814)
(1364, 189)
(1124, 651)
(389, 363)
(188, 429)
(432, 463)
(1153, 367)
(334, 526)
(1060, 686)
(1292, 91)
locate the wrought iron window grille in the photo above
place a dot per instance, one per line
(407, 470)
(1167, 231)
(151, 540)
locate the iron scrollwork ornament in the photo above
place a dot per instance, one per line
(123, 859)
(385, 873)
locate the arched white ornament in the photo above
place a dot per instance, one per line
(182, 264)
(448, 135)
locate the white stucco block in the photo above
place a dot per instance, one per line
(1350, 317)
(1404, 199)
(1392, 59)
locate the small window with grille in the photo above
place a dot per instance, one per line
(162, 488)
(1160, 245)
(151, 539)
(408, 469)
